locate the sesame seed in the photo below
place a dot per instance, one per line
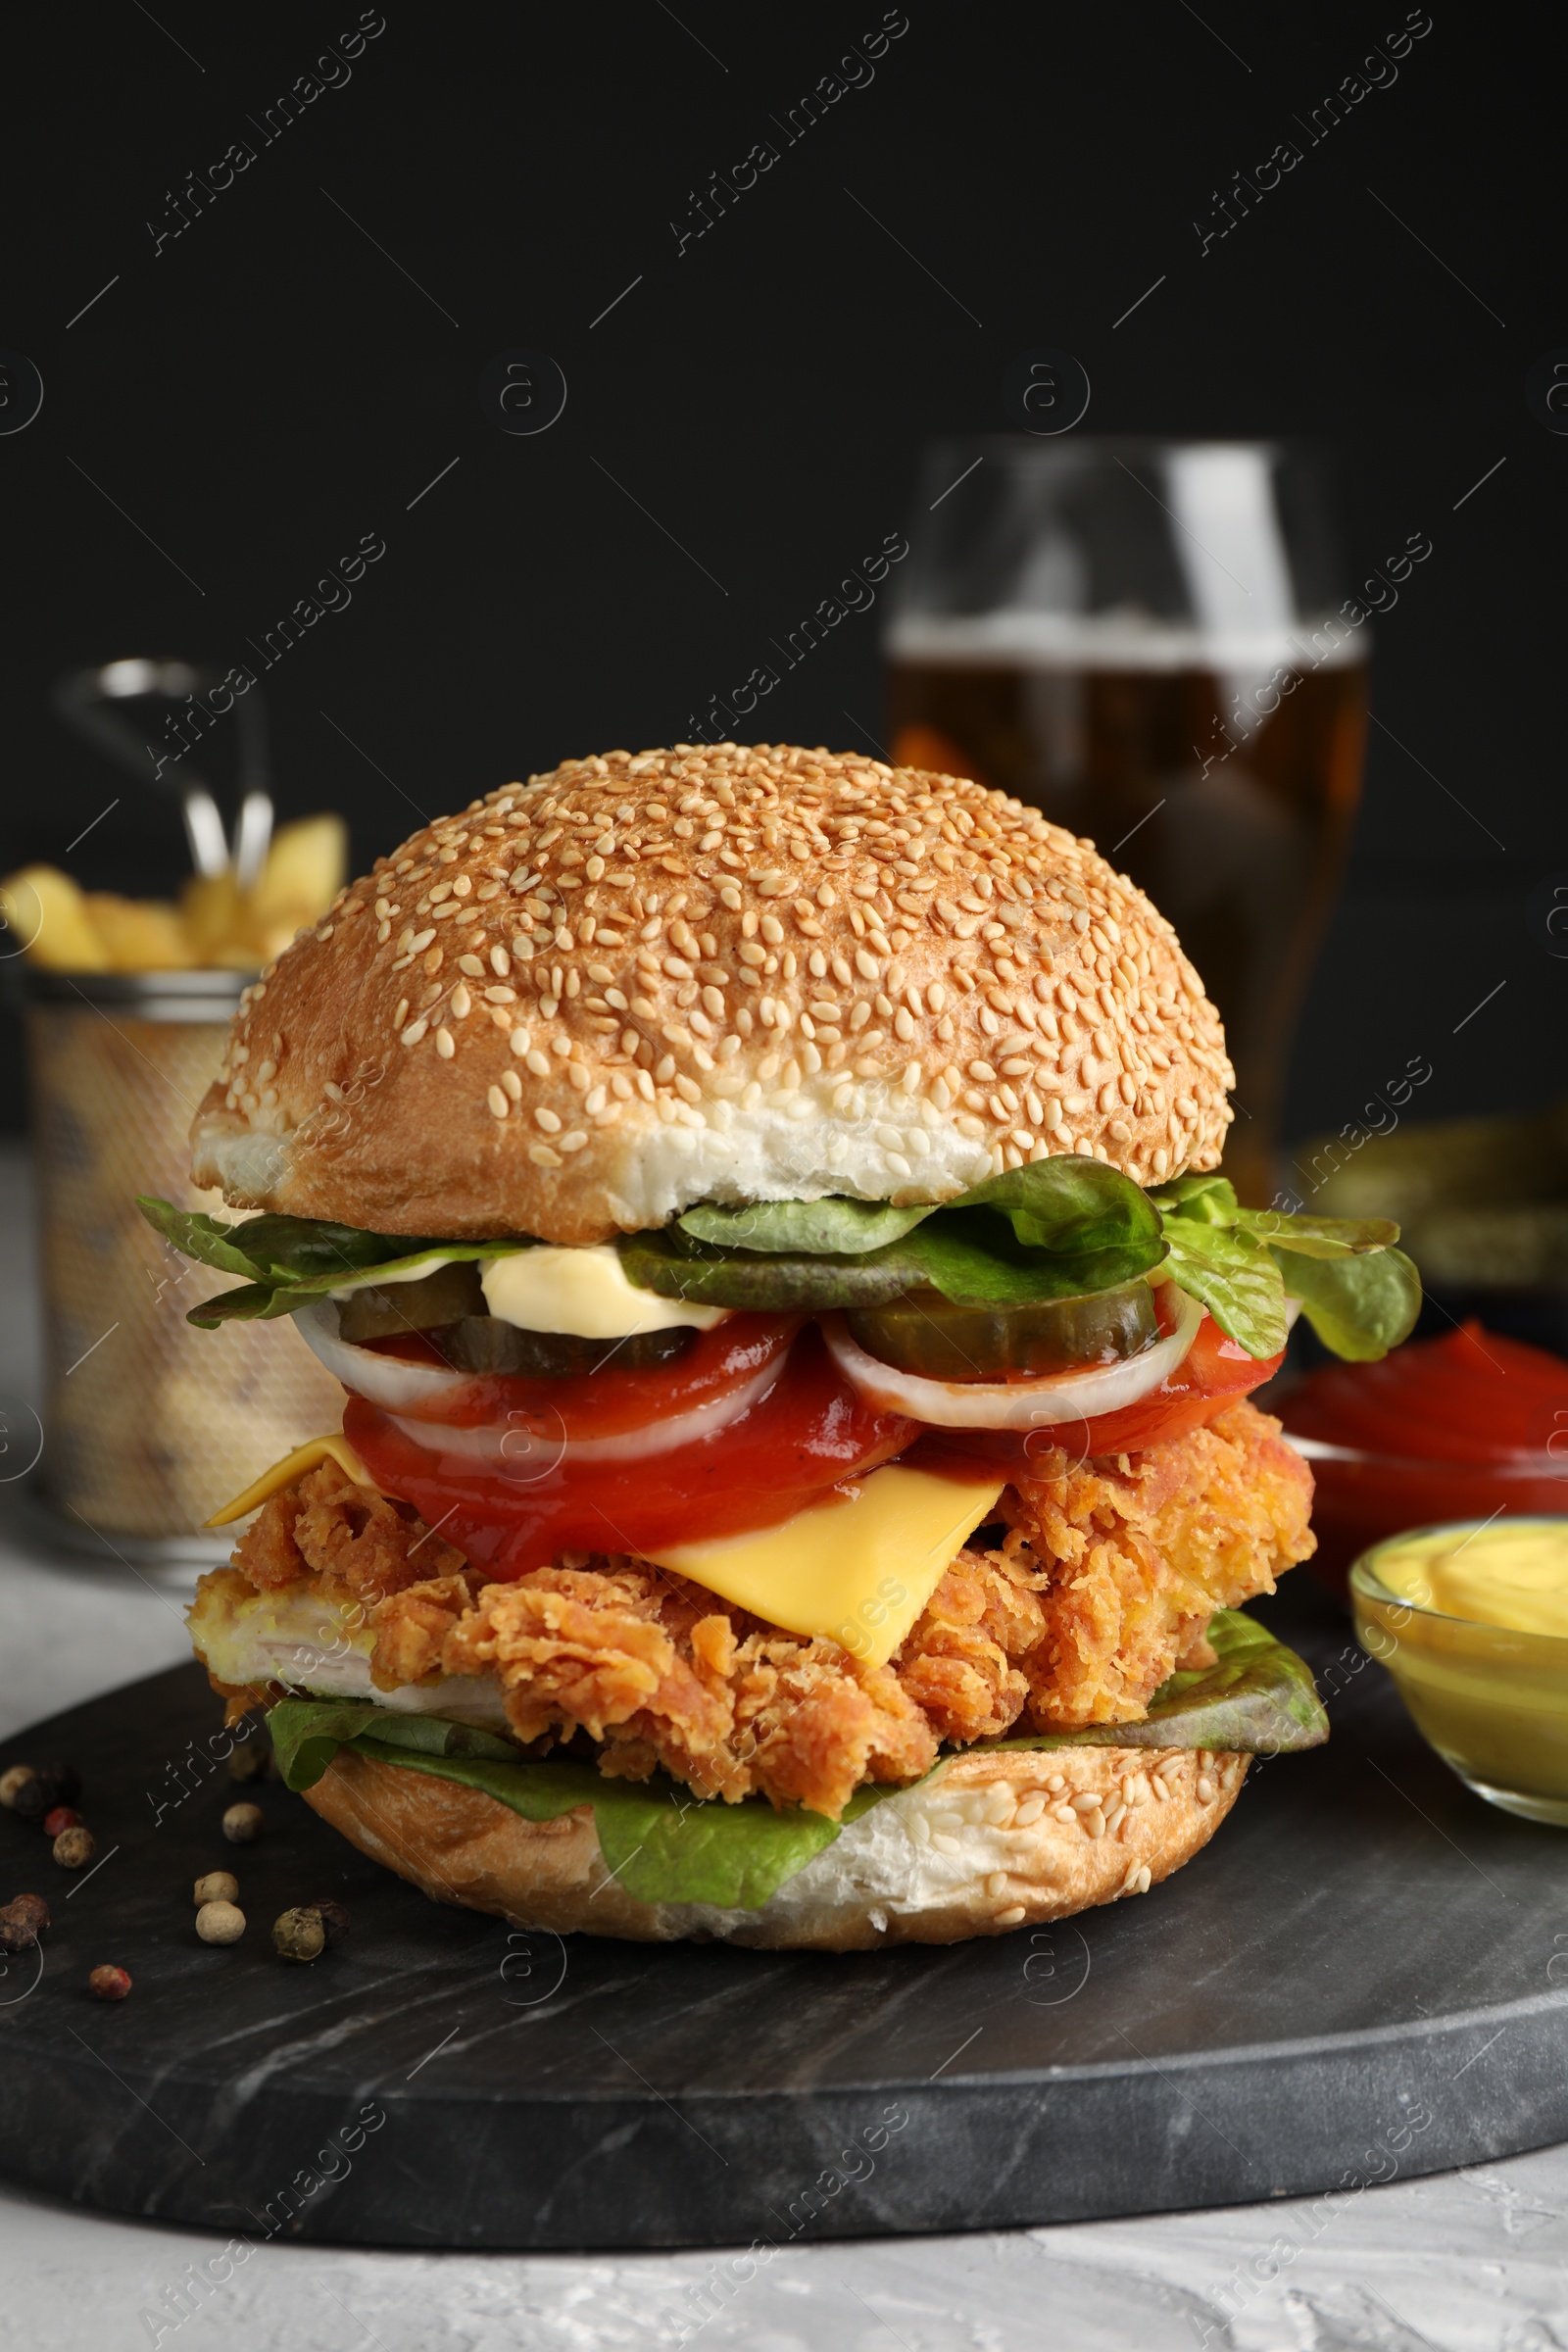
(445, 1044)
(415, 1031)
(540, 1153)
(496, 1102)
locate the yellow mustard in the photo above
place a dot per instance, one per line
(1512, 1573)
(1472, 1624)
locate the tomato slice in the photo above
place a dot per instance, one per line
(613, 1400)
(807, 1434)
(1214, 1372)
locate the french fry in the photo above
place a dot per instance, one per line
(211, 912)
(47, 918)
(139, 935)
(304, 872)
(215, 926)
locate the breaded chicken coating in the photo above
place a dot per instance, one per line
(1108, 1574)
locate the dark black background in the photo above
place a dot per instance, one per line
(270, 385)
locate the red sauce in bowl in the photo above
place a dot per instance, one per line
(1462, 1427)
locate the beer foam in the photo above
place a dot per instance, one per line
(1119, 639)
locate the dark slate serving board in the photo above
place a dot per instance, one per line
(1364, 1977)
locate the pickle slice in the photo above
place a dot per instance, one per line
(485, 1343)
(926, 1333)
(386, 1310)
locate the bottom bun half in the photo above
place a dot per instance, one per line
(935, 1864)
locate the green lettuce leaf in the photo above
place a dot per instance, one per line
(661, 1843)
(667, 1847)
(252, 1302)
(1361, 1294)
(1235, 1278)
(1211, 1199)
(1318, 1237)
(1058, 1228)
(1054, 1230)
(290, 1260)
(1076, 1206)
(306, 1733)
(971, 1257)
(1359, 1306)
(834, 1227)
(1259, 1699)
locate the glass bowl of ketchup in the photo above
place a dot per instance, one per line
(1467, 1427)
(1472, 1623)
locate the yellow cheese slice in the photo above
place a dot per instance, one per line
(294, 1465)
(858, 1571)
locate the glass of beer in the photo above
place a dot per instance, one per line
(1150, 640)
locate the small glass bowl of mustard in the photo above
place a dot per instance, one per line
(1471, 1620)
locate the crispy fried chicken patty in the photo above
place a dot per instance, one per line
(1105, 1579)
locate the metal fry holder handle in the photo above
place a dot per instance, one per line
(149, 1425)
(89, 701)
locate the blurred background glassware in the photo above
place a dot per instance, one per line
(148, 1426)
(1466, 1424)
(1144, 639)
(1482, 1204)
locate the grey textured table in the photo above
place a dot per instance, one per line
(1473, 2260)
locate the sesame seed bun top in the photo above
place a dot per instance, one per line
(713, 972)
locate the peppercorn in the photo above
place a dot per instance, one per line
(62, 1818)
(109, 1983)
(21, 1922)
(73, 1847)
(299, 1935)
(48, 1786)
(12, 1781)
(218, 1887)
(333, 1918)
(250, 1762)
(242, 1823)
(220, 1922)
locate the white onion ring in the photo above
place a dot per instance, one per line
(384, 1379)
(1012, 1403)
(490, 1441)
(401, 1387)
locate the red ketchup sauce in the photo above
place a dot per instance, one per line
(1461, 1427)
(612, 1401)
(809, 1432)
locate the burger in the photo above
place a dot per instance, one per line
(797, 1482)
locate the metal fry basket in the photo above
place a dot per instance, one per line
(149, 1425)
